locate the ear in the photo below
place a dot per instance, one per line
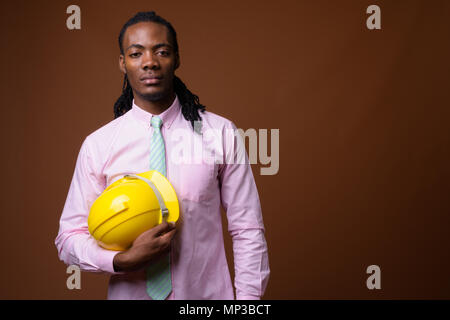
(122, 64)
(177, 61)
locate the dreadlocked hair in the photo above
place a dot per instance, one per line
(190, 103)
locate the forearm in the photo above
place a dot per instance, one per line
(81, 249)
(251, 263)
(123, 262)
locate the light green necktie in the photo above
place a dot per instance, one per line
(159, 282)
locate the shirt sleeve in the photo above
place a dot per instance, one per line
(240, 200)
(74, 243)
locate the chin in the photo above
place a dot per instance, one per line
(154, 96)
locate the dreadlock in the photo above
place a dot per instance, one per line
(190, 103)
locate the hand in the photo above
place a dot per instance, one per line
(150, 245)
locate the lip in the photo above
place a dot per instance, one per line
(151, 79)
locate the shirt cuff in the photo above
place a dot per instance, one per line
(106, 259)
(247, 297)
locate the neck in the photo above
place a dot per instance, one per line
(154, 106)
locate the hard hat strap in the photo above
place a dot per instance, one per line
(162, 205)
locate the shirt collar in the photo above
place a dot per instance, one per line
(167, 116)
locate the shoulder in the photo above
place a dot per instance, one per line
(99, 141)
(214, 121)
(107, 129)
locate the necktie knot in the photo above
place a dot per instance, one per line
(156, 122)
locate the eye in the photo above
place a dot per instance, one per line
(135, 55)
(163, 53)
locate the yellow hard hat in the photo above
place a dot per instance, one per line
(131, 206)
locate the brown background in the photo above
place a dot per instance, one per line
(364, 133)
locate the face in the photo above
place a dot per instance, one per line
(149, 60)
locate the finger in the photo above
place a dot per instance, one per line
(167, 237)
(160, 228)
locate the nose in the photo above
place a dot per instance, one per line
(149, 61)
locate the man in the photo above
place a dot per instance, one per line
(156, 107)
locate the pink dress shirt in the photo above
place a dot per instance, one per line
(199, 267)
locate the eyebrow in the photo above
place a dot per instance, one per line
(155, 47)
